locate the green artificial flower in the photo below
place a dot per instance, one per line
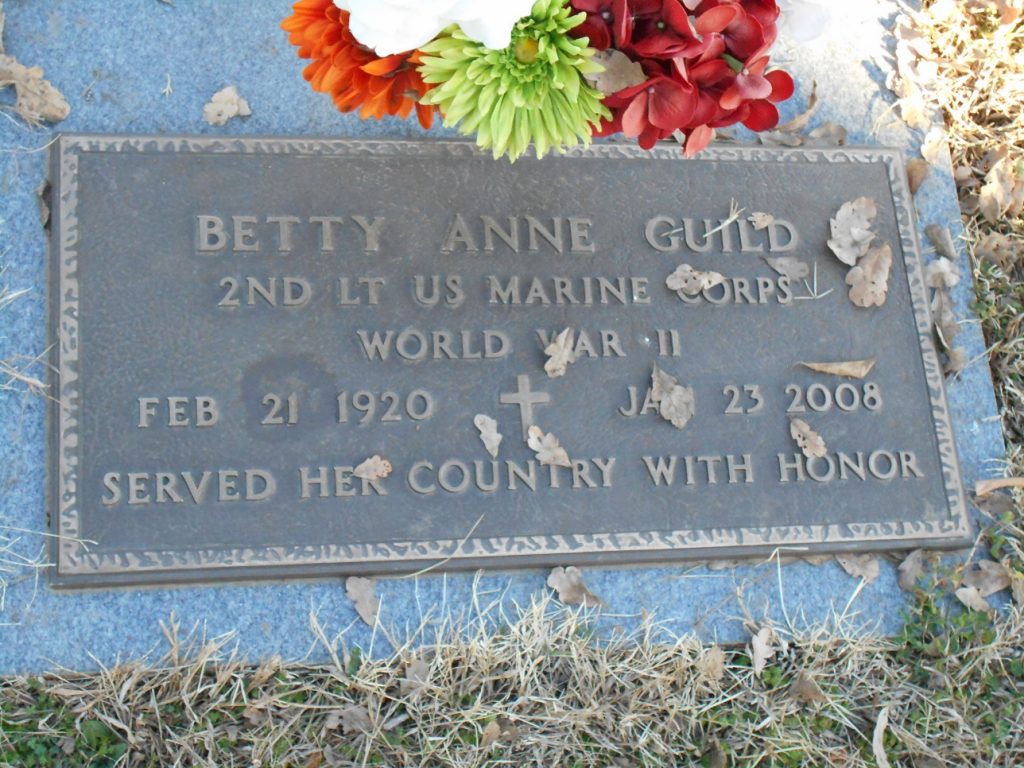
(533, 90)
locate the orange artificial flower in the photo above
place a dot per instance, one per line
(353, 74)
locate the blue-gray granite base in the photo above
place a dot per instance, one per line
(149, 67)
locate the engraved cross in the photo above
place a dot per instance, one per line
(525, 399)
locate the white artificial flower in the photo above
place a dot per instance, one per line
(396, 26)
(803, 21)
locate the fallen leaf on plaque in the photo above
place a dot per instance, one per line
(374, 468)
(828, 134)
(934, 145)
(851, 369)
(571, 589)
(943, 244)
(987, 576)
(560, 354)
(985, 487)
(687, 281)
(225, 104)
(805, 690)
(972, 598)
(956, 360)
(711, 665)
(816, 559)
(917, 171)
(762, 648)
(362, 593)
(489, 434)
(941, 273)
(807, 440)
(676, 403)
(760, 220)
(547, 447)
(352, 719)
(860, 566)
(851, 230)
(911, 570)
(619, 72)
(869, 280)
(788, 266)
(944, 317)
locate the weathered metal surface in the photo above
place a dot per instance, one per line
(238, 323)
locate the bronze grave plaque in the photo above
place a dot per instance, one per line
(250, 333)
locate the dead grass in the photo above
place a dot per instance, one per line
(543, 689)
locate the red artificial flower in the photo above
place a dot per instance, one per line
(705, 67)
(654, 109)
(663, 30)
(741, 32)
(353, 74)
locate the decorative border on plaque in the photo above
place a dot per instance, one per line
(74, 557)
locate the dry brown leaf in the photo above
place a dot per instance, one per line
(225, 104)
(851, 230)
(942, 242)
(353, 720)
(828, 134)
(374, 468)
(869, 280)
(619, 72)
(560, 354)
(809, 441)
(1002, 192)
(762, 648)
(788, 266)
(490, 735)
(805, 690)
(971, 597)
(917, 171)
(801, 121)
(944, 317)
(716, 757)
(941, 273)
(935, 145)
(571, 589)
(878, 739)
(816, 559)
(489, 434)
(500, 730)
(956, 361)
(911, 570)
(760, 220)
(687, 281)
(547, 447)
(676, 403)
(417, 674)
(36, 100)
(985, 487)
(851, 369)
(860, 566)
(987, 576)
(711, 665)
(361, 592)
(996, 248)
(1017, 587)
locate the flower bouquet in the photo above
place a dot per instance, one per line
(551, 73)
